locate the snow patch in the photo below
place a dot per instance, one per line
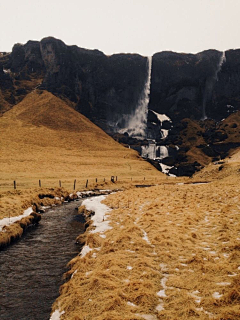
(194, 294)
(56, 315)
(74, 273)
(162, 117)
(160, 307)
(11, 220)
(216, 295)
(165, 168)
(145, 237)
(131, 304)
(232, 275)
(162, 293)
(146, 316)
(164, 133)
(223, 284)
(99, 219)
(85, 250)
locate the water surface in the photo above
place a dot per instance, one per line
(31, 269)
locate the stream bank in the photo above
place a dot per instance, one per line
(37, 203)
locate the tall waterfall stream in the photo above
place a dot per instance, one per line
(137, 122)
(32, 268)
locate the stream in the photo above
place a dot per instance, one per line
(31, 269)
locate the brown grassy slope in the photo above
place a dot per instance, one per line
(43, 138)
(195, 134)
(192, 137)
(231, 125)
(173, 253)
(227, 169)
(4, 105)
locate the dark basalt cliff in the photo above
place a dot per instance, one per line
(105, 88)
(99, 86)
(184, 84)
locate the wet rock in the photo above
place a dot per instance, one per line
(169, 161)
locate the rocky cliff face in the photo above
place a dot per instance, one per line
(102, 87)
(99, 86)
(187, 85)
(107, 88)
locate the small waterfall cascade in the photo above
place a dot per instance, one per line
(149, 151)
(221, 62)
(163, 152)
(136, 124)
(154, 152)
(210, 83)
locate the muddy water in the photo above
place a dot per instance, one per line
(31, 269)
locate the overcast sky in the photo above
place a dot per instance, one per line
(114, 26)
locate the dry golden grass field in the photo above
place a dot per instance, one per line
(43, 138)
(173, 253)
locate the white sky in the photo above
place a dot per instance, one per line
(114, 26)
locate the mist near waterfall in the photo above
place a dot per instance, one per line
(210, 83)
(136, 123)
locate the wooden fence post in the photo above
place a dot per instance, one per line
(14, 184)
(40, 184)
(60, 184)
(96, 180)
(86, 183)
(74, 185)
(116, 178)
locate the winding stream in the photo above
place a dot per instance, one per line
(31, 269)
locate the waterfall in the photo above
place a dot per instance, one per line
(221, 61)
(149, 151)
(210, 83)
(152, 151)
(137, 122)
(163, 152)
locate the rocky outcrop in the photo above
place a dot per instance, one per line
(20, 72)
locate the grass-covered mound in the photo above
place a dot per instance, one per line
(42, 138)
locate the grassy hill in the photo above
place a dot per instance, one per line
(43, 138)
